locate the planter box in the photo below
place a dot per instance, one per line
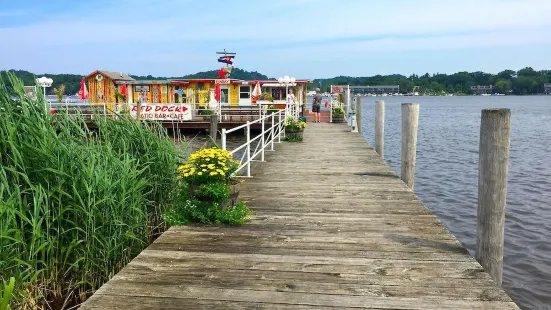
(338, 119)
(294, 134)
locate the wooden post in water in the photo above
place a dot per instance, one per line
(410, 121)
(380, 128)
(495, 129)
(359, 114)
(213, 127)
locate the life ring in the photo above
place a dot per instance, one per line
(99, 77)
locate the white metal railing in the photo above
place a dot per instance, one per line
(266, 138)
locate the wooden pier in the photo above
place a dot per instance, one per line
(335, 227)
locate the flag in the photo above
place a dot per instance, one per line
(83, 92)
(217, 93)
(123, 90)
(226, 59)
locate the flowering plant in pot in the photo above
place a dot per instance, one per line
(211, 190)
(294, 128)
(337, 114)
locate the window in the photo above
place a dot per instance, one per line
(244, 92)
(224, 95)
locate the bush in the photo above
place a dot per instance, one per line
(337, 111)
(207, 191)
(294, 124)
(75, 205)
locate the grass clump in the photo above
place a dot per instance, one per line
(75, 205)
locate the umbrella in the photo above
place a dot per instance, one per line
(257, 93)
(83, 92)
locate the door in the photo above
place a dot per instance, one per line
(244, 95)
(224, 95)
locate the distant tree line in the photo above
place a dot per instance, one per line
(526, 81)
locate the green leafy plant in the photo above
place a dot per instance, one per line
(59, 92)
(205, 112)
(267, 96)
(337, 111)
(272, 109)
(6, 294)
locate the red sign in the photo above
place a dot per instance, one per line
(165, 112)
(336, 89)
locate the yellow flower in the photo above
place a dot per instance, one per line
(199, 173)
(186, 174)
(204, 170)
(226, 168)
(213, 173)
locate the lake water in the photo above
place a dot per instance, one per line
(446, 178)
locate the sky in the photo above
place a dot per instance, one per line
(299, 38)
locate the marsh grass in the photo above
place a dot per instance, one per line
(75, 205)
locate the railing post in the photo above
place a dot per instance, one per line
(223, 137)
(272, 132)
(380, 128)
(262, 139)
(279, 125)
(410, 120)
(331, 109)
(248, 148)
(493, 163)
(359, 109)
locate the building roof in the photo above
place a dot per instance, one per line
(115, 76)
(144, 82)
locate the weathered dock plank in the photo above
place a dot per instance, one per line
(335, 228)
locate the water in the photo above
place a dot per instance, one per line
(447, 178)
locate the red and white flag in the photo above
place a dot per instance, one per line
(83, 92)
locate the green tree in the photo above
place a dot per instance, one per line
(503, 86)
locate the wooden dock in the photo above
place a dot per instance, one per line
(335, 228)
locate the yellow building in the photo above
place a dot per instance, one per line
(103, 86)
(106, 87)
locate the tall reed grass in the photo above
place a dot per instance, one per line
(75, 205)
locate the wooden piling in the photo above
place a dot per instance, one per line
(213, 126)
(359, 113)
(380, 128)
(495, 131)
(138, 110)
(410, 121)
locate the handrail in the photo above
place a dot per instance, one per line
(275, 130)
